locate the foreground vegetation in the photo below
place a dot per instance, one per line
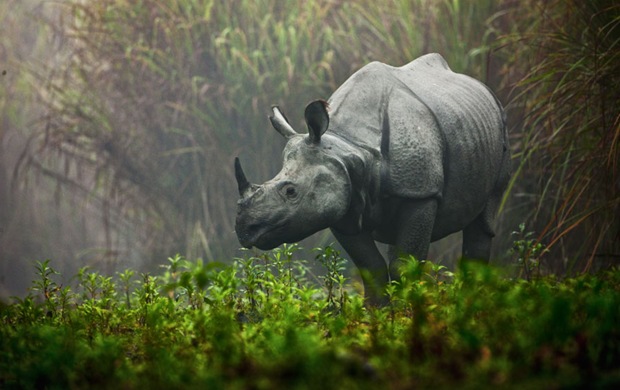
(269, 322)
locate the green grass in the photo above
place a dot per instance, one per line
(269, 322)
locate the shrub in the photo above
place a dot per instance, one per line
(262, 323)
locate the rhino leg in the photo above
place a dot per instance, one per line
(478, 234)
(414, 230)
(367, 258)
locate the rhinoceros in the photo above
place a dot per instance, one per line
(399, 155)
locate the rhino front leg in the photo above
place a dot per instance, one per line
(415, 222)
(367, 258)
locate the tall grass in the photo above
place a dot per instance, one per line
(155, 97)
(142, 106)
(568, 53)
(28, 206)
(461, 31)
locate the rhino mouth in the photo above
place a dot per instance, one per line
(263, 237)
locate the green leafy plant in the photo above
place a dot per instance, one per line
(527, 252)
(333, 280)
(125, 281)
(46, 286)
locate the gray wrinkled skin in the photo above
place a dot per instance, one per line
(403, 156)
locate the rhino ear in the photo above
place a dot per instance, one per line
(280, 123)
(317, 119)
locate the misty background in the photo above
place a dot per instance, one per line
(120, 120)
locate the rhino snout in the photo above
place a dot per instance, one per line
(257, 234)
(248, 234)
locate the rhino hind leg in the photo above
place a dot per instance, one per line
(476, 242)
(477, 236)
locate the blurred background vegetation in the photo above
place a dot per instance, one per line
(120, 119)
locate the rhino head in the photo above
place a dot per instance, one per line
(310, 193)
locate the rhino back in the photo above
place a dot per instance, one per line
(456, 121)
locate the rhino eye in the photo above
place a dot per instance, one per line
(290, 191)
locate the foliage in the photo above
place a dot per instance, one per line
(528, 252)
(262, 323)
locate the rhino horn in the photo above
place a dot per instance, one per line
(317, 119)
(242, 181)
(280, 123)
